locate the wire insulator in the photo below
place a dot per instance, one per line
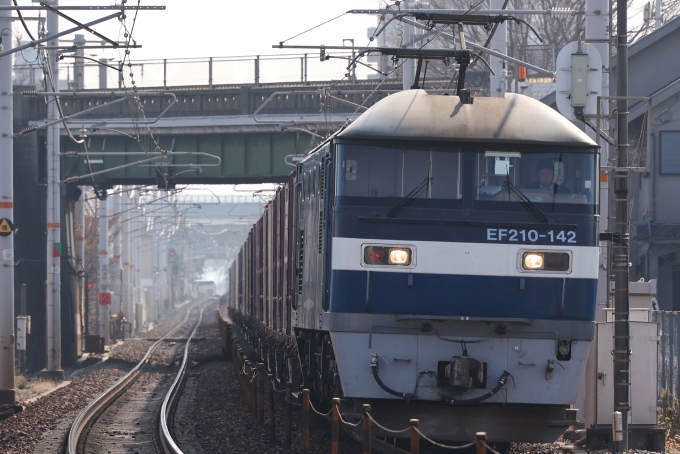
(30, 93)
(29, 130)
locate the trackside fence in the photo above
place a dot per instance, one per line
(255, 382)
(668, 326)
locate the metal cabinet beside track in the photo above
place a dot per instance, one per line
(643, 369)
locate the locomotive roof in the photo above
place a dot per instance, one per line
(417, 115)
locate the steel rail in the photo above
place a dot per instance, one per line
(172, 396)
(107, 397)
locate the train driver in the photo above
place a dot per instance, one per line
(545, 173)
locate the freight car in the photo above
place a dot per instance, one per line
(437, 260)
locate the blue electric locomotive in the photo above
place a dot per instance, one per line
(437, 260)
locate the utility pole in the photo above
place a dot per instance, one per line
(620, 245)
(116, 285)
(139, 308)
(104, 280)
(597, 33)
(53, 291)
(102, 74)
(79, 63)
(79, 251)
(408, 68)
(125, 232)
(7, 396)
(499, 43)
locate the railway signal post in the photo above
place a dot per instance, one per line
(7, 396)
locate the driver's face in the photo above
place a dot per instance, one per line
(545, 176)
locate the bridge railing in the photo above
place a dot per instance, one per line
(209, 71)
(210, 199)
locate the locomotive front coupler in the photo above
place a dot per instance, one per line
(499, 385)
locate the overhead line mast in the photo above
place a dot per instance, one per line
(53, 250)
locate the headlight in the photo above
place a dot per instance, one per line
(545, 261)
(532, 261)
(399, 256)
(385, 255)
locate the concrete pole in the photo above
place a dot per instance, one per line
(499, 42)
(7, 396)
(129, 298)
(104, 279)
(79, 63)
(139, 309)
(125, 256)
(657, 14)
(131, 265)
(596, 33)
(103, 82)
(115, 234)
(53, 291)
(156, 272)
(409, 67)
(79, 220)
(620, 247)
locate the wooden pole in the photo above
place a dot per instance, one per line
(366, 409)
(253, 390)
(246, 385)
(335, 426)
(305, 421)
(289, 411)
(481, 442)
(415, 436)
(272, 426)
(260, 377)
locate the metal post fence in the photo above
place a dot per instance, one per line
(210, 73)
(668, 324)
(257, 71)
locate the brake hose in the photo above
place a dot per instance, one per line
(499, 385)
(374, 368)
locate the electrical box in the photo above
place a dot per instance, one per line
(643, 373)
(579, 80)
(634, 315)
(22, 331)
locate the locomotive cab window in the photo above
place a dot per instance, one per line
(375, 175)
(542, 178)
(554, 179)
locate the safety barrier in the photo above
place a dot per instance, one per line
(255, 381)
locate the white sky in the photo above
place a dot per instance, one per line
(220, 28)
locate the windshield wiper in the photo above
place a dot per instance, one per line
(526, 203)
(410, 197)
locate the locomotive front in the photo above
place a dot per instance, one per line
(463, 265)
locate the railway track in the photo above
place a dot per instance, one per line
(125, 416)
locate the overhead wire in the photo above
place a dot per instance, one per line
(316, 26)
(21, 18)
(160, 169)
